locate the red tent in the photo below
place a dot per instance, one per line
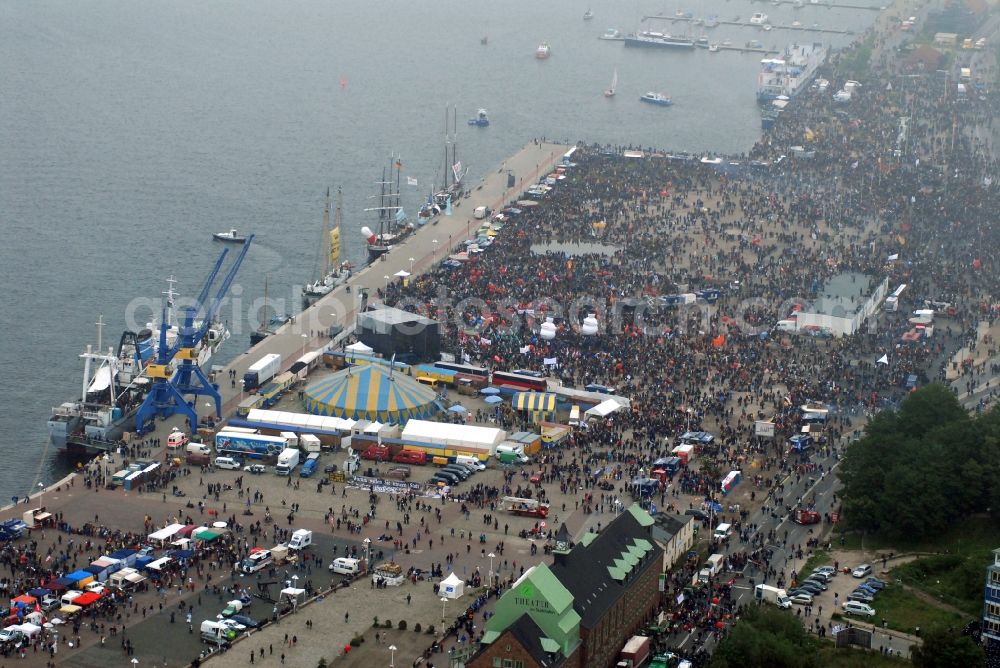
(86, 599)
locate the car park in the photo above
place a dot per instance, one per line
(255, 469)
(864, 570)
(858, 608)
(802, 598)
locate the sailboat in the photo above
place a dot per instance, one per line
(268, 326)
(333, 272)
(610, 92)
(392, 223)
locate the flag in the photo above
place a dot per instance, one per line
(883, 360)
(456, 169)
(550, 361)
(525, 349)
(485, 342)
(400, 215)
(410, 181)
(854, 165)
(893, 257)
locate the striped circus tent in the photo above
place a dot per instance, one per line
(370, 393)
(535, 402)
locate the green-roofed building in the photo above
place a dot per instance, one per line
(580, 611)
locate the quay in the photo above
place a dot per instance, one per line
(419, 252)
(747, 24)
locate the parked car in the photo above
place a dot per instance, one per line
(50, 603)
(400, 472)
(862, 571)
(858, 608)
(822, 577)
(821, 583)
(255, 469)
(697, 514)
(866, 588)
(330, 468)
(830, 570)
(802, 599)
(811, 587)
(233, 624)
(861, 597)
(876, 583)
(248, 622)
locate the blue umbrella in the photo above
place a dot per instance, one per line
(489, 390)
(457, 408)
(493, 399)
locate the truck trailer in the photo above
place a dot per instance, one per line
(257, 446)
(287, 461)
(261, 371)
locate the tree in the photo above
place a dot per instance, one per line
(766, 637)
(930, 408)
(947, 648)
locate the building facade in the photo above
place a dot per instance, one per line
(991, 604)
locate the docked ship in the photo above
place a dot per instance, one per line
(790, 73)
(649, 39)
(441, 201)
(115, 384)
(393, 226)
(332, 272)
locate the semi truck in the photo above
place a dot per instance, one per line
(768, 594)
(261, 371)
(287, 461)
(256, 446)
(635, 653)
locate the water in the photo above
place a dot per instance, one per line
(131, 131)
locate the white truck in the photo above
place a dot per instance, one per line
(287, 461)
(310, 443)
(768, 594)
(711, 568)
(216, 633)
(261, 371)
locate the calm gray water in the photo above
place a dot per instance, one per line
(131, 131)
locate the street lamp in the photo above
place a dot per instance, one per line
(492, 557)
(386, 283)
(305, 340)
(411, 264)
(392, 656)
(444, 602)
(41, 495)
(368, 549)
(435, 242)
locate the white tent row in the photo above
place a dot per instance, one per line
(165, 533)
(454, 435)
(604, 409)
(300, 421)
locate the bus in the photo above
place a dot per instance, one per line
(465, 369)
(519, 379)
(428, 381)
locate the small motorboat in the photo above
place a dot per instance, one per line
(543, 51)
(481, 120)
(230, 237)
(658, 99)
(587, 15)
(713, 48)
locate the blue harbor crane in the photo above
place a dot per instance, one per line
(176, 372)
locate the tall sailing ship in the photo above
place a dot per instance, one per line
(332, 271)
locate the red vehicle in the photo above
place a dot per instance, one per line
(376, 452)
(807, 517)
(410, 457)
(525, 507)
(520, 381)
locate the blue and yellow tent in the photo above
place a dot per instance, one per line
(541, 405)
(370, 393)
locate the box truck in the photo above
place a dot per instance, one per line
(768, 594)
(309, 466)
(261, 371)
(287, 461)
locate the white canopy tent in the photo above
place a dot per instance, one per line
(603, 409)
(452, 586)
(359, 349)
(166, 533)
(454, 435)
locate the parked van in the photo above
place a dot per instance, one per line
(574, 416)
(785, 326)
(70, 596)
(410, 457)
(310, 466)
(722, 531)
(510, 454)
(227, 463)
(301, 539)
(198, 448)
(346, 566)
(470, 461)
(216, 633)
(176, 440)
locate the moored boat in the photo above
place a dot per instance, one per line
(658, 40)
(543, 51)
(481, 120)
(612, 35)
(610, 92)
(332, 272)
